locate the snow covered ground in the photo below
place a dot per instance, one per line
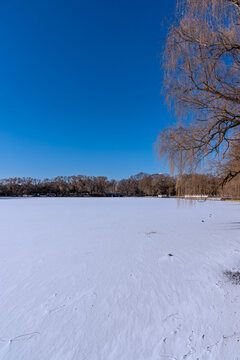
(92, 279)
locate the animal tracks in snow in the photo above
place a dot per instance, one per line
(57, 303)
(175, 316)
(23, 337)
(198, 346)
(4, 350)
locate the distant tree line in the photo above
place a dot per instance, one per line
(138, 185)
(81, 185)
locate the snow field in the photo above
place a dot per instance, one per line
(92, 279)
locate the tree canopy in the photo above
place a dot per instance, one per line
(202, 83)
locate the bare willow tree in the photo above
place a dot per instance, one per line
(202, 83)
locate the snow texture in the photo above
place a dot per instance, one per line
(119, 279)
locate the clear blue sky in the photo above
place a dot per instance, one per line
(80, 86)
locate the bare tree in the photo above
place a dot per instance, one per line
(202, 83)
(230, 168)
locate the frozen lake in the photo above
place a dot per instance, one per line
(119, 279)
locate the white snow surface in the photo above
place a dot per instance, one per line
(92, 279)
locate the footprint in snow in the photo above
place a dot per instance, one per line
(150, 233)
